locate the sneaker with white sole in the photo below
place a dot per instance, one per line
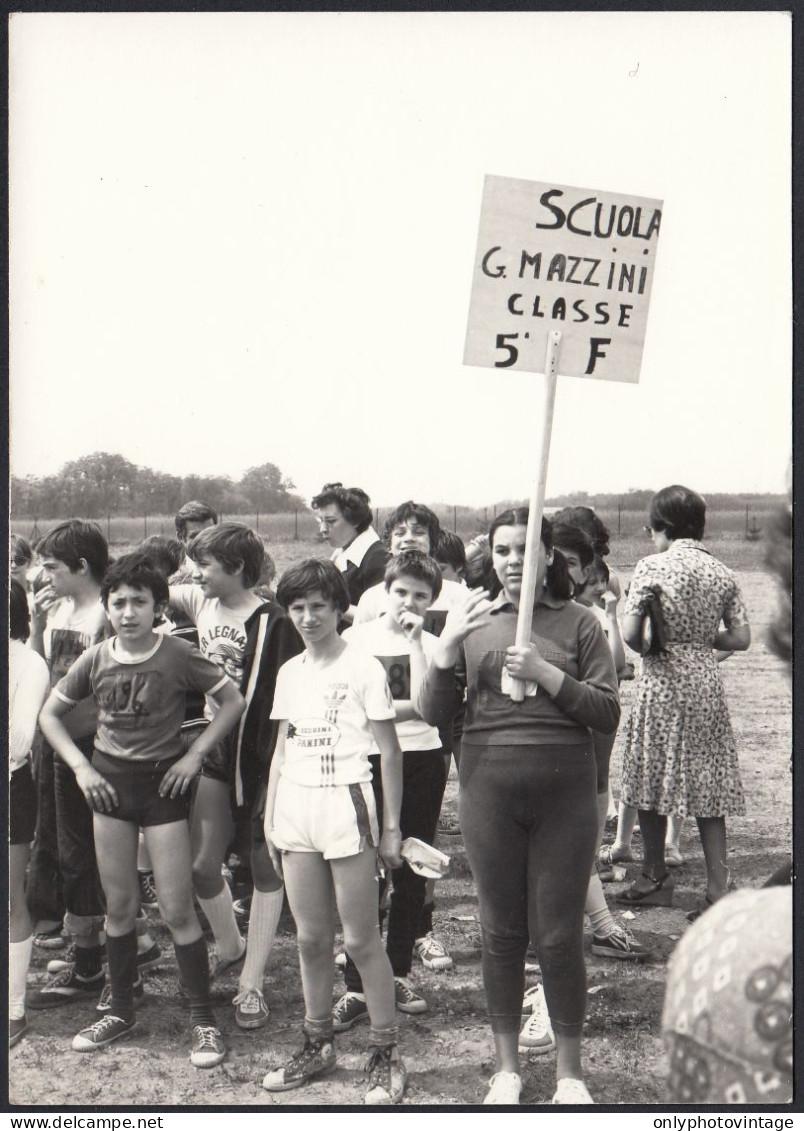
(64, 988)
(571, 1091)
(386, 1077)
(407, 1000)
(537, 1032)
(147, 890)
(100, 1033)
(534, 994)
(317, 1058)
(433, 953)
(52, 939)
(347, 1010)
(17, 1028)
(105, 999)
(504, 1088)
(251, 1012)
(221, 965)
(148, 959)
(620, 944)
(340, 960)
(207, 1048)
(672, 856)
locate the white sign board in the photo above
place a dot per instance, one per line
(579, 261)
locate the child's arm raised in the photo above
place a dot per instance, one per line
(99, 794)
(610, 601)
(384, 733)
(277, 762)
(179, 776)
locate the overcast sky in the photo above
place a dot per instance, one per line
(244, 238)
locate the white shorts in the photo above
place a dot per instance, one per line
(336, 820)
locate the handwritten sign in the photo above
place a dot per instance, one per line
(550, 257)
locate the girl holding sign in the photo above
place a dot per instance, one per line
(528, 806)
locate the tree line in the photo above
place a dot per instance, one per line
(105, 483)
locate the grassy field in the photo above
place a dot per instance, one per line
(448, 1050)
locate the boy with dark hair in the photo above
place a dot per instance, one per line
(74, 557)
(250, 639)
(192, 518)
(140, 779)
(412, 582)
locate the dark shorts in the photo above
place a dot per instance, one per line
(216, 763)
(22, 806)
(250, 822)
(137, 786)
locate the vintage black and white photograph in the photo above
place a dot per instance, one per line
(400, 415)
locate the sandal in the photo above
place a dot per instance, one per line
(659, 894)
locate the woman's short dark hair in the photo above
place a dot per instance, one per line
(73, 540)
(679, 512)
(576, 539)
(19, 617)
(587, 520)
(135, 569)
(309, 575)
(416, 512)
(354, 504)
(558, 580)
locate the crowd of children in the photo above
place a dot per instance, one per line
(188, 711)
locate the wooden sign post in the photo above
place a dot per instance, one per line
(559, 268)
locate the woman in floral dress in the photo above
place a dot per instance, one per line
(680, 755)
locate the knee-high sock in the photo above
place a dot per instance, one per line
(221, 916)
(121, 952)
(193, 963)
(19, 959)
(266, 907)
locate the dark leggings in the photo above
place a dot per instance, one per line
(529, 820)
(424, 776)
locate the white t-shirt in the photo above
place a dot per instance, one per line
(28, 686)
(328, 711)
(393, 650)
(221, 632)
(374, 601)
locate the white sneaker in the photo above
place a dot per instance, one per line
(433, 953)
(571, 1091)
(504, 1088)
(537, 1032)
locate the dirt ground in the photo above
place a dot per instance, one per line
(447, 1050)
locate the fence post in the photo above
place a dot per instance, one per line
(257, 522)
(619, 518)
(455, 519)
(486, 517)
(108, 528)
(376, 518)
(145, 526)
(295, 526)
(746, 520)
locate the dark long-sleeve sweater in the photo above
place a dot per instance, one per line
(569, 637)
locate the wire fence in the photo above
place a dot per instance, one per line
(746, 524)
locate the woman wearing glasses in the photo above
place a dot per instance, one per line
(680, 756)
(344, 519)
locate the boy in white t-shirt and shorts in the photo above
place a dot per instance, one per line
(412, 583)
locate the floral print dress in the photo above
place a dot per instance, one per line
(680, 755)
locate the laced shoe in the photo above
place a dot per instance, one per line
(65, 987)
(407, 1000)
(317, 1058)
(251, 1012)
(105, 999)
(207, 1048)
(347, 1010)
(532, 961)
(58, 965)
(620, 944)
(571, 1091)
(147, 959)
(147, 890)
(387, 1075)
(537, 1032)
(534, 994)
(504, 1088)
(17, 1028)
(433, 953)
(223, 964)
(99, 1033)
(672, 856)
